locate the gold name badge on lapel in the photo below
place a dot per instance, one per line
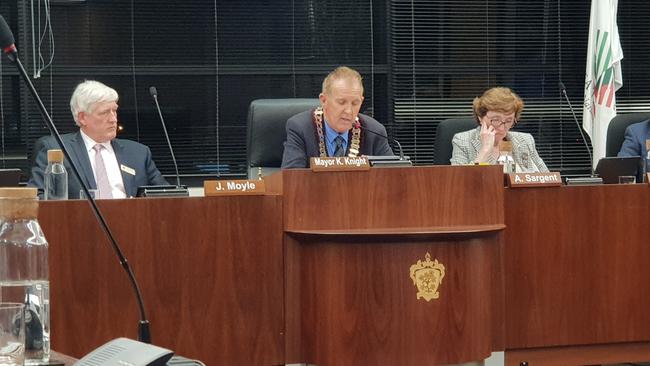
(127, 170)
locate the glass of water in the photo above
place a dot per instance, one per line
(93, 194)
(626, 179)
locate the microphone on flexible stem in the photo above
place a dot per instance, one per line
(154, 95)
(7, 45)
(399, 146)
(584, 139)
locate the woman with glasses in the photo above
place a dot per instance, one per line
(496, 112)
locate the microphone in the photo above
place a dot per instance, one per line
(7, 45)
(584, 139)
(154, 95)
(399, 146)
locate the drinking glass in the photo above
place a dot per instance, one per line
(93, 194)
(626, 179)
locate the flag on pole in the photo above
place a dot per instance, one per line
(603, 74)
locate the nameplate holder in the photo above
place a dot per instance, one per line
(234, 187)
(520, 180)
(339, 164)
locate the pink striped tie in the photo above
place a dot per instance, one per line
(103, 186)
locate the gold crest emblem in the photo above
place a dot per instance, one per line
(427, 276)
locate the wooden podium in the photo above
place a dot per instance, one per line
(350, 242)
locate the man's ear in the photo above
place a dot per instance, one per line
(323, 98)
(81, 118)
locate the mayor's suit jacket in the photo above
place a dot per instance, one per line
(135, 157)
(467, 145)
(635, 136)
(302, 140)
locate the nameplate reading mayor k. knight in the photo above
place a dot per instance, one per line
(339, 164)
(233, 187)
(518, 180)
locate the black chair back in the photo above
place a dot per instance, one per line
(267, 119)
(445, 133)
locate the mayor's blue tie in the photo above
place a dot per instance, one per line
(339, 148)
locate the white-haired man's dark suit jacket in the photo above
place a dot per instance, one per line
(129, 153)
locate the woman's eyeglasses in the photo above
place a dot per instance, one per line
(495, 122)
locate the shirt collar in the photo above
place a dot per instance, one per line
(331, 134)
(90, 143)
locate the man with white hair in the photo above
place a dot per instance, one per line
(114, 167)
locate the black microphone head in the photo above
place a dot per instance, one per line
(6, 36)
(561, 85)
(153, 91)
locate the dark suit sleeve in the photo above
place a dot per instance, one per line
(631, 146)
(39, 163)
(381, 146)
(154, 177)
(295, 152)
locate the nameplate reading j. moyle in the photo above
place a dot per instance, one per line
(518, 180)
(339, 164)
(233, 187)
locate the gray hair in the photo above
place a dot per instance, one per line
(88, 93)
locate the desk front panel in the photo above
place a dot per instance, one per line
(576, 262)
(210, 271)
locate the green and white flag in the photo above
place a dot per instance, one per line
(603, 75)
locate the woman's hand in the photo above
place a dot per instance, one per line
(487, 137)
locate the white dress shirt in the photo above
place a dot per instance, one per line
(110, 161)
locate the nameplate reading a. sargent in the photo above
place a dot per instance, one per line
(518, 180)
(233, 187)
(339, 164)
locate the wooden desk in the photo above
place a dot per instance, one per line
(577, 273)
(67, 360)
(321, 275)
(210, 271)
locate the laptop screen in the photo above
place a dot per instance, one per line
(10, 177)
(610, 168)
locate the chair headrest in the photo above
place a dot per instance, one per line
(267, 119)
